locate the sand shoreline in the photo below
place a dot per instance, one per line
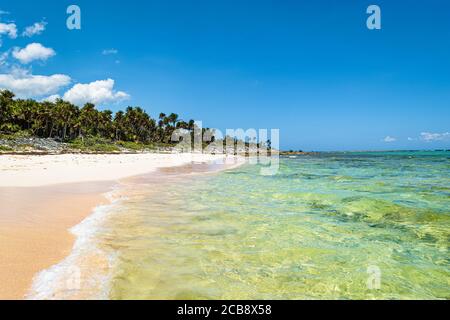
(36, 170)
(60, 192)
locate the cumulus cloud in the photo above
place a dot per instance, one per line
(33, 51)
(428, 136)
(52, 98)
(97, 92)
(110, 51)
(389, 139)
(8, 29)
(34, 29)
(26, 85)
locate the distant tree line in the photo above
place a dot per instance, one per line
(65, 121)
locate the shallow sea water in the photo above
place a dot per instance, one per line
(328, 226)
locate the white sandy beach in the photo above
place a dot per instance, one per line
(42, 197)
(33, 170)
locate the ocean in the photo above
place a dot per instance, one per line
(367, 225)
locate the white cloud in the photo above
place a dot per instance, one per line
(52, 98)
(97, 92)
(411, 139)
(26, 85)
(9, 29)
(110, 51)
(33, 51)
(389, 139)
(428, 136)
(34, 29)
(3, 58)
(3, 12)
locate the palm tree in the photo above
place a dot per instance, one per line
(118, 124)
(6, 106)
(104, 124)
(173, 119)
(88, 120)
(65, 121)
(65, 113)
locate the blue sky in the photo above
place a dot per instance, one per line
(311, 69)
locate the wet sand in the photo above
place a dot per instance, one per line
(34, 229)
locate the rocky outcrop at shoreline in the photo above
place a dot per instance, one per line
(29, 145)
(49, 146)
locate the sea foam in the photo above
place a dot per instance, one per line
(85, 273)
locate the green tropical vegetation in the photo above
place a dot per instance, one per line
(67, 122)
(88, 129)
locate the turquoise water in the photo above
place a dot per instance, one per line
(316, 230)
